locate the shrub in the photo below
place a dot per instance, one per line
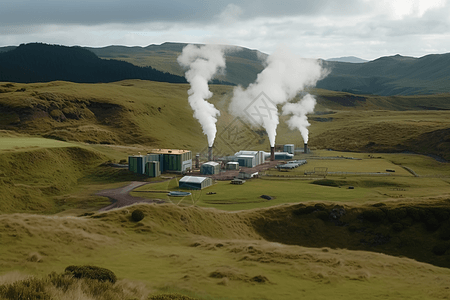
(445, 232)
(92, 272)
(304, 210)
(432, 223)
(395, 215)
(137, 215)
(373, 215)
(323, 215)
(352, 228)
(440, 249)
(30, 289)
(415, 213)
(397, 227)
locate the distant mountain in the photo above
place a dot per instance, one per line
(390, 75)
(42, 63)
(386, 76)
(348, 59)
(242, 64)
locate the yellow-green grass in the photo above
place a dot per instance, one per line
(294, 186)
(29, 143)
(210, 255)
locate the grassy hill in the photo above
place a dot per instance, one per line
(158, 115)
(207, 254)
(242, 64)
(386, 76)
(391, 75)
(42, 63)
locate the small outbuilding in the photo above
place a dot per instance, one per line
(194, 182)
(210, 168)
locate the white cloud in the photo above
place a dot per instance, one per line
(318, 29)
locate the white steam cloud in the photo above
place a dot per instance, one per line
(299, 120)
(203, 63)
(286, 74)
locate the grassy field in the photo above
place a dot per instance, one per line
(209, 254)
(226, 242)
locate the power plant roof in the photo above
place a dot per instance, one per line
(168, 151)
(211, 163)
(193, 179)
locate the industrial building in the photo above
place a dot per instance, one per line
(210, 168)
(168, 160)
(249, 159)
(232, 165)
(194, 182)
(289, 148)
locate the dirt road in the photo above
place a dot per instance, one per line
(121, 197)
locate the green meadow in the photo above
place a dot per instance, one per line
(386, 237)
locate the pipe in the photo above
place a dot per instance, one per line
(272, 153)
(197, 161)
(210, 155)
(305, 149)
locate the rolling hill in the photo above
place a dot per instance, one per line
(43, 63)
(386, 76)
(391, 75)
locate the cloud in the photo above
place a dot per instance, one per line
(316, 29)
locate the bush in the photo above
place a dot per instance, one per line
(30, 289)
(397, 227)
(323, 215)
(352, 228)
(396, 215)
(304, 210)
(440, 249)
(373, 215)
(137, 215)
(92, 272)
(432, 224)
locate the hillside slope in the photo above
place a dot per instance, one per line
(158, 115)
(242, 64)
(43, 63)
(391, 75)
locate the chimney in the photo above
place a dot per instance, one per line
(305, 149)
(272, 153)
(210, 155)
(197, 161)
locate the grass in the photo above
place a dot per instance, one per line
(231, 244)
(212, 255)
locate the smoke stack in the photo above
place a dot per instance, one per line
(272, 153)
(197, 161)
(305, 149)
(210, 156)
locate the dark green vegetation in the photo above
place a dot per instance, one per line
(242, 64)
(92, 272)
(43, 63)
(85, 282)
(137, 215)
(391, 75)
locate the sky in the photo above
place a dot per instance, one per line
(312, 29)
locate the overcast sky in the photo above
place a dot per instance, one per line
(316, 29)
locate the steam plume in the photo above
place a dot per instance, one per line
(285, 75)
(203, 63)
(299, 120)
